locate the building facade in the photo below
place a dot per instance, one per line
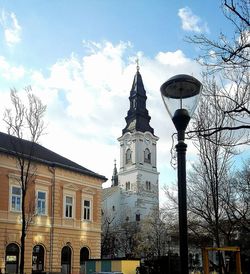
(65, 225)
(134, 192)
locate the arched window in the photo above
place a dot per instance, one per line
(66, 260)
(148, 185)
(147, 156)
(12, 258)
(38, 259)
(128, 156)
(127, 186)
(84, 256)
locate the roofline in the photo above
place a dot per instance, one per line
(53, 164)
(138, 132)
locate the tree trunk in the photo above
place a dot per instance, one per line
(23, 235)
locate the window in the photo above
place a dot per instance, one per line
(69, 198)
(68, 206)
(66, 256)
(41, 203)
(147, 156)
(127, 186)
(38, 259)
(84, 256)
(12, 258)
(86, 210)
(128, 156)
(148, 185)
(137, 217)
(16, 198)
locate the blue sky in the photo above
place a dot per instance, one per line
(51, 30)
(79, 58)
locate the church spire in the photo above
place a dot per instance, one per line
(137, 117)
(115, 175)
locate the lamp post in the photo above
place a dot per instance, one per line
(180, 95)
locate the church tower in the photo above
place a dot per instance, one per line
(138, 175)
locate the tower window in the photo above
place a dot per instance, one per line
(127, 186)
(147, 156)
(128, 156)
(148, 185)
(137, 217)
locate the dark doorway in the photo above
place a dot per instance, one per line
(84, 256)
(66, 260)
(38, 259)
(12, 258)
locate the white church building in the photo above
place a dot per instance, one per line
(134, 193)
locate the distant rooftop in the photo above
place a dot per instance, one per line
(12, 145)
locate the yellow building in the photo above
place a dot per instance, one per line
(66, 227)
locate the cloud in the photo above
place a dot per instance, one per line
(9, 72)
(87, 102)
(172, 58)
(191, 22)
(12, 29)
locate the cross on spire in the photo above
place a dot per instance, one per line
(137, 64)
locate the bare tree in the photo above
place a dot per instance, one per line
(153, 235)
(228, 59)
(126, 239)
(25, 121)
(232, 102)
(228, 52)
(209, 191)
(108, 243)
(239, 202)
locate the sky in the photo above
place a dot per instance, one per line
(79, 58)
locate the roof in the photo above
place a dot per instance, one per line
(12, 145)
(137, 117)
(107, 192)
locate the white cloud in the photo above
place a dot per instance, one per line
(10, 72)
(191, 22)
(87, 101)
(12, 29)
(172, 58)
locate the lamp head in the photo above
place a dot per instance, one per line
(181, 92)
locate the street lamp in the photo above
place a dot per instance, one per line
(180, 95)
